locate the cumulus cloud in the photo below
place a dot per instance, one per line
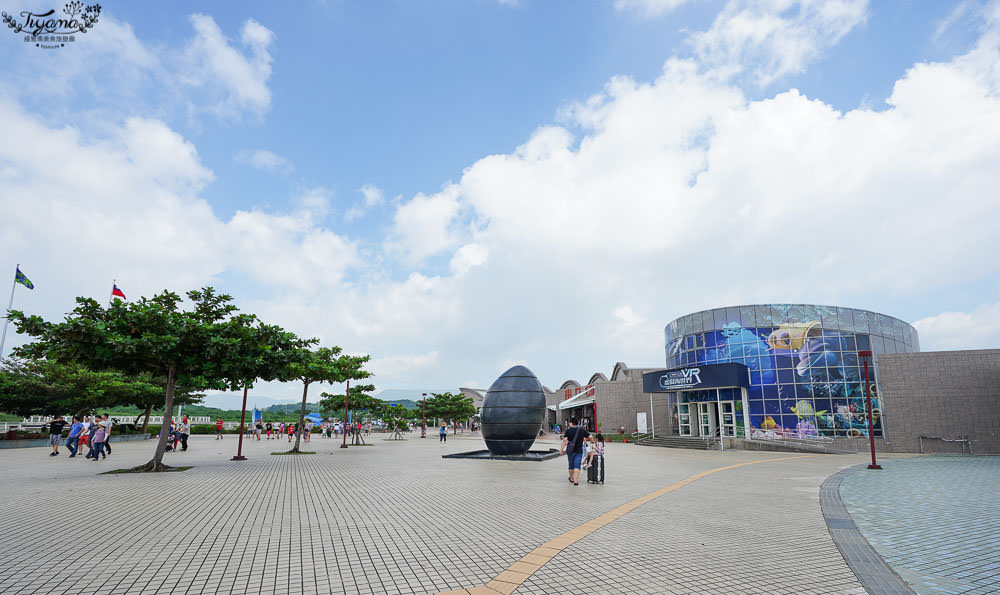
(235, 79)
(978, 329)
(265, 160)
(774, 38)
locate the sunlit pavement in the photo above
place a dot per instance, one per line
(395, 517)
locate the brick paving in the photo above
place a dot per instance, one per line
(397, 518)
(934, 520)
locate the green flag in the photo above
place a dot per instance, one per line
(20, 278)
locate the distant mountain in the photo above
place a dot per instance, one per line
(235, 401)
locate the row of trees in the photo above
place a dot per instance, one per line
(154, 345)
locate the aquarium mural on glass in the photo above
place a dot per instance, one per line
(806, 379)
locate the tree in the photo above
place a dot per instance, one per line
(47, 387)
(449, 406)
(322, 365)
(208, 346)
(395, 417)
(360, 400)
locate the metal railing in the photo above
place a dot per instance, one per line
(963, 441)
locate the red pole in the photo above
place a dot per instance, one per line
(868, 396)
(423, 417)
(347, 395)
(243, 415)
(595, 415)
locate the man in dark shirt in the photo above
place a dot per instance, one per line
(55, 433)
(572, 444)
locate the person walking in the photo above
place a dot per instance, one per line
(90, 433)
(443, 435)
(307, 430)
(218, 429)
(572, 445)
(74, 436)
(268, 427)
(107, 423)
(55, 433)
(258, 427)
(98, 442)
(291, 432)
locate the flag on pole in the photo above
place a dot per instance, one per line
(20, 278)
(117, 292)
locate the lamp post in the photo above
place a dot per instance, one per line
(347, 393)
(423, 417)
(866, 356)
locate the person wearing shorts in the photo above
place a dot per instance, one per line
(308, 428)
(291, 431)
(572, 445)
(218, 429)
(55, 433)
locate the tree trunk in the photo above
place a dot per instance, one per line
(168, 412)
(145, 423)
(302, 417)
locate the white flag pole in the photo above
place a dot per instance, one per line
(111, 298)
(3, 340)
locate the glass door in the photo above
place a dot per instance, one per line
(706, 419)
(727, 418)
(684, 418)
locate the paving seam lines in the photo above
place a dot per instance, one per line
(867, 564)
(511, 578)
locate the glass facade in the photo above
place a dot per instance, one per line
(805, 376)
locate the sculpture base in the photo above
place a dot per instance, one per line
(531, 455)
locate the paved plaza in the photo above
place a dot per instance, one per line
(934, 520)
(396, 518)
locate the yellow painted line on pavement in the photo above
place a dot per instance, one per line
(518, 572)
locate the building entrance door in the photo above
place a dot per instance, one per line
(727, 418)
(684, 419)
(707, 421)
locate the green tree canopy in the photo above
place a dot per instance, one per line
(48, 387)
(457, 408)
(325, 364)
(206, 346)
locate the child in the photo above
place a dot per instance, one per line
(596, 449)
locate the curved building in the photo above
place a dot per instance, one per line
(803, 377)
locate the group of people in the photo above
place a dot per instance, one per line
(269, 430)
(178, 433)
(581, 449)
(93, 432)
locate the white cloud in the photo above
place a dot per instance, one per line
(423, 226)
(373, 197)
(774, 38)
(235, 81)
(265, 160)
(978, 329)
(649, 8)
(467, 257)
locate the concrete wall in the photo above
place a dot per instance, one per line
(949, 394)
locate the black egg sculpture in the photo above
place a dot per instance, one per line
(512, 413)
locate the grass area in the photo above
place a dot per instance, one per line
(291, 452)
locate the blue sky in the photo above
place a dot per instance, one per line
(458, 186)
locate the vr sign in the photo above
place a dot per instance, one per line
(685, 378)
(696, 377)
